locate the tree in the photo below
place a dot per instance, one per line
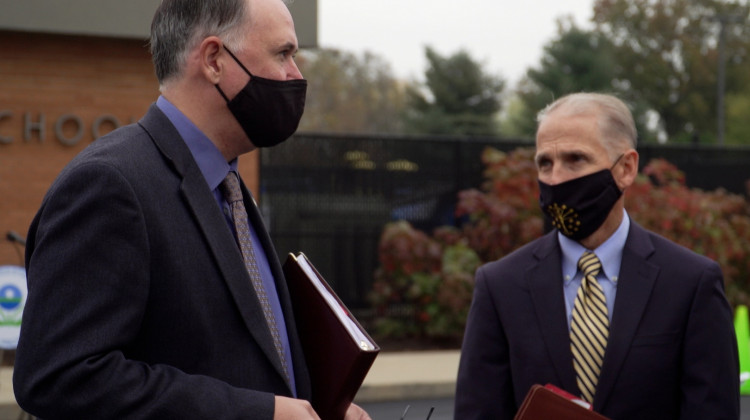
(518, 119)
(460, 98)
(738, 125)
(350, 93)
(667, 57)
(576, 61)
(737, 103)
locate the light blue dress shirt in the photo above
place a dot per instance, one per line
(215, 168)
(610, 255)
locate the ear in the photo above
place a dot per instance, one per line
(211, 59)
(626, 169)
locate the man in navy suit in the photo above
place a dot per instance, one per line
(140, 302)
(668, 349)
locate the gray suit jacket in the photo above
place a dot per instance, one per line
(139, 303)
(671, 353)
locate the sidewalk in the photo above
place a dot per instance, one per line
(8, 407)
(411, 375)
(393, 376)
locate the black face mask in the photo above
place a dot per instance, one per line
(268, 110)
(577, 208)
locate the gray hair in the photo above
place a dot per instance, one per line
(179, 25)
(616, 124)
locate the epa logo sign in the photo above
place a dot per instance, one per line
(13, 294)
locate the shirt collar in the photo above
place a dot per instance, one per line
(609, 252)
(210, 161)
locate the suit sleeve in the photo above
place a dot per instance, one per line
(484, 389)
(88, 276)
(710, 385)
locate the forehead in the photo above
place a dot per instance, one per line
(271, 21)
(562, 132)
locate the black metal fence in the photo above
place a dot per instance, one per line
(330, 196)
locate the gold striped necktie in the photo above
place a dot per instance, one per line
(589, 328)
(230, 189)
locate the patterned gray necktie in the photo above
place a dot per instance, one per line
(230, 188)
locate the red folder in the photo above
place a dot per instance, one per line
(338, 351)
(550, 402)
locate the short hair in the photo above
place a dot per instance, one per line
(179, 25)
(616, 124)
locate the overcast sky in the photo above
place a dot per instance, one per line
(506, 36)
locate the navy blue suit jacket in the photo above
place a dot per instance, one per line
(671, 354)
(139, 303)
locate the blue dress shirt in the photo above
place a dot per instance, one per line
(610, 255)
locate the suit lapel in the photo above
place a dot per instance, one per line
(635, 283)
(200, 200)
(546, 287)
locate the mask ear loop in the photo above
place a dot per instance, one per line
(616, 161)
(240, 64)
(238, 61)
(221, 92)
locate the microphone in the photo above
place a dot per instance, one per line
(14, 237)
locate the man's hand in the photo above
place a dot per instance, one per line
(355, 412)
(294, 409)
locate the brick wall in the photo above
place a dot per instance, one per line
(56, 92)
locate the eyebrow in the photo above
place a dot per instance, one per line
(541, 156)
(575, 152)
(289, 46)
(564, 155)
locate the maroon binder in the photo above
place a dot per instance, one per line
(338, 360)
(542, 403)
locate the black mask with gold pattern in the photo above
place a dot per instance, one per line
(577, 208)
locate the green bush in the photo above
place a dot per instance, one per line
(423, 286)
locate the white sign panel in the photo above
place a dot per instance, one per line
(13, 294)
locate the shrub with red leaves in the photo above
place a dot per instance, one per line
(424, 283)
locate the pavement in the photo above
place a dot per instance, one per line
(8, 407)
(408, 375)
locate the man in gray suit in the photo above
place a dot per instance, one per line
(141, 303)
(636, 325)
